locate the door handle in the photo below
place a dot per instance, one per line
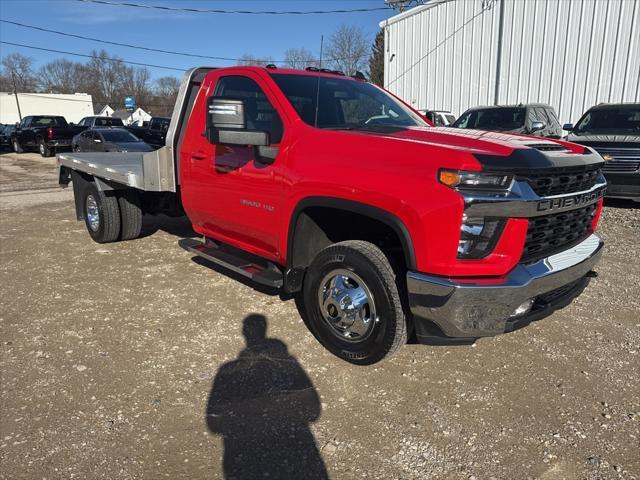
(199, 155)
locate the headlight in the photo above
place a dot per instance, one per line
(475, 181)
(478, 236)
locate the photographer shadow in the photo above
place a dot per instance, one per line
(262, 405)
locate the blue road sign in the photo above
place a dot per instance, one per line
(129, 103)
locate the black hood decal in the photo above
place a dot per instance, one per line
(525, 160)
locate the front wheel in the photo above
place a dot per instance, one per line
(351, 303)
(17, 148)
(101, 214)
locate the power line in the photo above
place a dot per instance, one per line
(34, 27)
(92, 56)
(159, 50)
(241, 12)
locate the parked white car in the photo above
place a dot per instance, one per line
(440, 118)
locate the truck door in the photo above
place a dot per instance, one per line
(27, 136)
(227, 192)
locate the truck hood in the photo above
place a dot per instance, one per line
(494, 150)
(605, 140)
(476, 141)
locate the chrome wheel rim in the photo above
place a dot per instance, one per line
(347, 305)
(42, 148)
(93, 214)
(15, 146)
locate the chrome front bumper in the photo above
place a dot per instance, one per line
(474, 309)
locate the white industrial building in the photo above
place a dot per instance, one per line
(73, 107)
(570, 54)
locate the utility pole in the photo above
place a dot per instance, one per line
(15, 93)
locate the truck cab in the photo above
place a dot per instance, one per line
(338, 193)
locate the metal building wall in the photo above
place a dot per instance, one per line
(571, 54)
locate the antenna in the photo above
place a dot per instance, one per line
(318, 87)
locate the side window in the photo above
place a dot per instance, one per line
(259, 112)
(553, 118)
(463, 122)
(542, 115)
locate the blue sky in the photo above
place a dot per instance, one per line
(225, 35)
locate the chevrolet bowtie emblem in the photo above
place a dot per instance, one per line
(607, 157)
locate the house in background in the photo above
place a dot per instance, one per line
(73, 107)
(137, 117)
(106, 111)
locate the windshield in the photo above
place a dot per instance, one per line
(610, 120)
(159, 124)
(492, 119)
(108, 122)
(344, 104)
(48, 122)
(119, 136)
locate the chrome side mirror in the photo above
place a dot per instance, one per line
(536, 126)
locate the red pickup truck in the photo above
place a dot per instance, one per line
(338, 193)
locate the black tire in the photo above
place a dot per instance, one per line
(44, 149)
(107, 228)
(17, 148)
(130, 214)
(388, 332)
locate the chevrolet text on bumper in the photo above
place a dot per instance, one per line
(465, 309)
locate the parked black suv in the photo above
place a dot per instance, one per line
(613, 130)
(532, 119)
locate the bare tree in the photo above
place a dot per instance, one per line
(347, 49)
(61, 76)
(249, 59)
(20, 67)
(165, 91)
(105, 74)
(166, 86)
(376, 60)
(300, 58)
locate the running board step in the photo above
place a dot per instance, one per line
(262, 272)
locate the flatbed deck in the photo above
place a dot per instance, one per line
(147, 171)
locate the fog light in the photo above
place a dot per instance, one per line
(524, 308)
(478, 236)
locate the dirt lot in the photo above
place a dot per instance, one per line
(129, 360)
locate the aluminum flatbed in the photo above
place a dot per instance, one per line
(156, 171)
(147, 171)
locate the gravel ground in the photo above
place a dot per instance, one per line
(133, 360)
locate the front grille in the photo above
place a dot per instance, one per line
(625, 160)
(551, 234)
(552, 183)
(548, 147)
